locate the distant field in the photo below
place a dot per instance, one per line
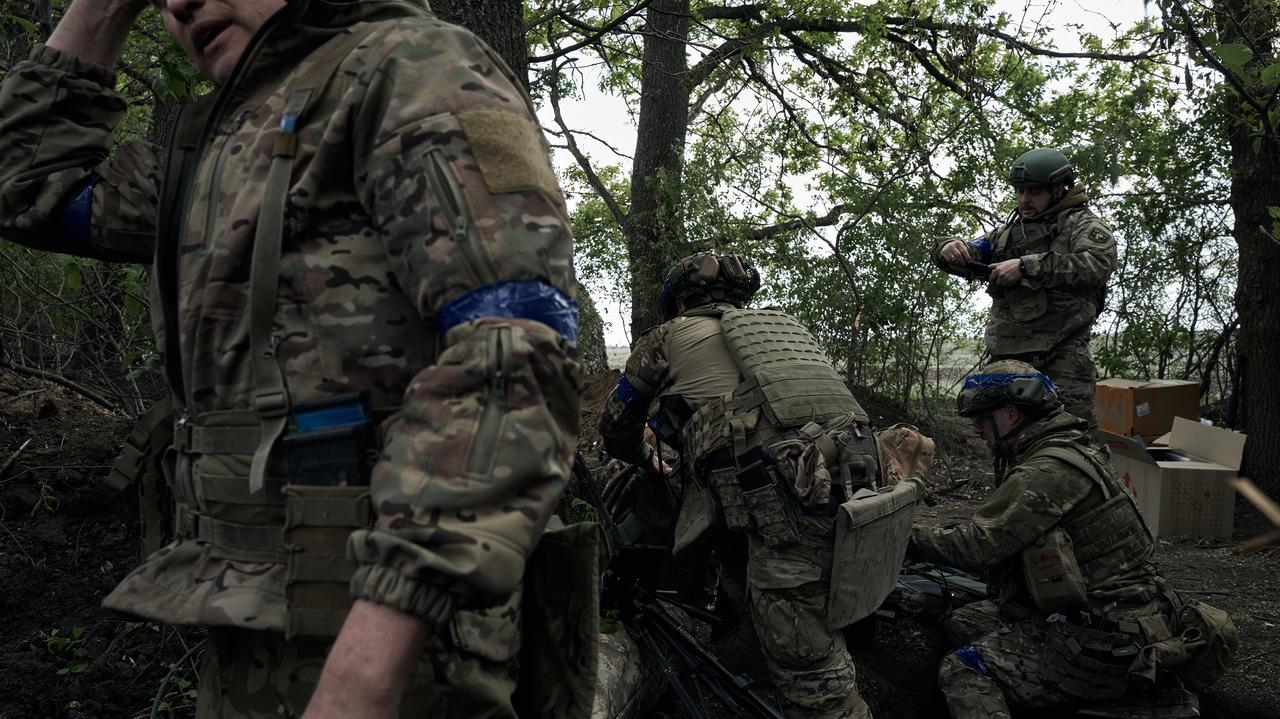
(617, 355)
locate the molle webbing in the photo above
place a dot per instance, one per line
(1108, 539)
(318, 521)
(1105, 540)
(784, 370)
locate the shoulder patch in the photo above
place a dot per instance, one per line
(510, 153)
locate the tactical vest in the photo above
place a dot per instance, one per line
(1111, 541)
(1026, 318)
(782, 441)
(231, 500)
(787, 383)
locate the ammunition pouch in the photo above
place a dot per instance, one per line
(764, 499)
(1211, 641)
(141, 462)
(318, 520)
(1053, 577)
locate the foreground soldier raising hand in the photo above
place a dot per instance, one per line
(363, 283)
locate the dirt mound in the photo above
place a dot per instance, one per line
(595, 388)
(65, 541)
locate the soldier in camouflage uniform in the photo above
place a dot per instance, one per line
(1049, 266)
(1071, 635)
(690, 371)
(360, 229)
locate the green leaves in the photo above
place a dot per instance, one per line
(1234, 55)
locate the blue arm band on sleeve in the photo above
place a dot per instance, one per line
(969, 656)
(72, 221)
(983, 246)
(525, 299)
(629, 395)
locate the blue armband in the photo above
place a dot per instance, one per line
(983, 246)
(969, 656)
(71, 221)
(525, 299)
(629, 395)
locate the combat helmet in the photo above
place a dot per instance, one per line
(1008, 382)
(1041, 166)
(705, 277)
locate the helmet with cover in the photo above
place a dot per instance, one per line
(1040, 167)
(704, 277)
(1008, 382)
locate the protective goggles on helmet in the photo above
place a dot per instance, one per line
(982, 393)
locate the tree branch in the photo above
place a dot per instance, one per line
(596, 34)
(593, 179)
(76, 387)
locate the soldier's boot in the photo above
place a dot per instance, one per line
(971, 693)
(828, 692)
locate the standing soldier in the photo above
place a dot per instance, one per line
(1079, 612)
(1048, 268)
(363, 298)
(763, 423)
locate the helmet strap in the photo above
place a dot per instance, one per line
(1003, 444)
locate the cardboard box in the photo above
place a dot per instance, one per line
(1144, 407)
(1185, 488)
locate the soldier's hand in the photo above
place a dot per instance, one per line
(1007, 273)
(955, 252)
(659, 467)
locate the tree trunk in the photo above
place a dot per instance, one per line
(1255, 186)
(500, 23)
(655, 237)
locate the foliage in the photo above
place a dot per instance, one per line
(82, 318)
(67, 647)
(831, 141)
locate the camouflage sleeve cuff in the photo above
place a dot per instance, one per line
(1031, 265)
(69, 63)
(387, 586)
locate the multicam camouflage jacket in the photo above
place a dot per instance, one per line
(1067, 254)
(426, 259)
(1042, 492)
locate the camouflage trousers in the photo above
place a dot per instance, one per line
(470, 672)
(1070, 366)
(1005, 659)
(787, 591)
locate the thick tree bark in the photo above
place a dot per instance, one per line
(1255, 187)
(500, 23)
(655, 235)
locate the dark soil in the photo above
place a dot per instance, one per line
(66, 540)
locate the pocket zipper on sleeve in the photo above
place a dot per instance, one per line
(483, 449)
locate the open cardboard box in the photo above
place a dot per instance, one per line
(1185, 487)
(1144, 407)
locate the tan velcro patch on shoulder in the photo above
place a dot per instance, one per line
(510, 153)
